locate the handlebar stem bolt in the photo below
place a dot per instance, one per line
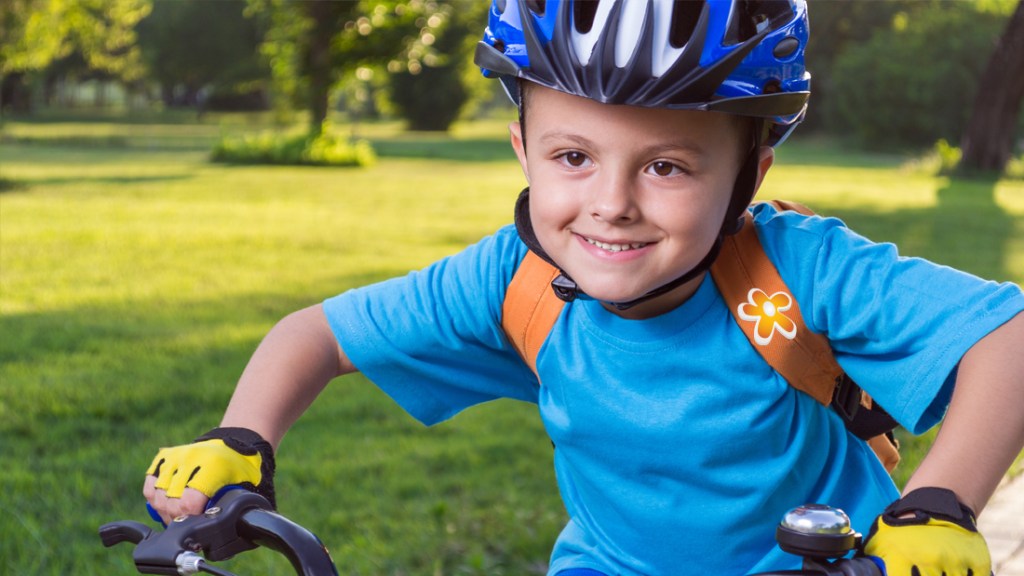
(213, 511)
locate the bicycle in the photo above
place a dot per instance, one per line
(243, 520)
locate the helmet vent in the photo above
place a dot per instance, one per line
(536, 6)
(786, 47)
(583, 14)
(749, 17)
(685, 15)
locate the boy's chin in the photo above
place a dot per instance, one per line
(612, 295)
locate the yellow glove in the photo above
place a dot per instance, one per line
(222, 457)
(929, 533)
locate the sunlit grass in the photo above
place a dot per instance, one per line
(136, 278)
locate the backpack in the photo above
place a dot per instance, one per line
(762, 306)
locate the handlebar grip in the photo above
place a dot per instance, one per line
(124, 531)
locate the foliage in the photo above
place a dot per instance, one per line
(913, 82)
(432, 95)
(271, 147)
(195, 44)
(836, 27)
(948, 156)
(945, 159)
(430, 99)
(312, 46)
(38, 32)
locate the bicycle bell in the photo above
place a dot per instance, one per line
(816, 531)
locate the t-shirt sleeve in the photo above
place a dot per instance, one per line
(432, 340)
(898, 326)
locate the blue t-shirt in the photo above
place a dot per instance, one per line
(678, 449)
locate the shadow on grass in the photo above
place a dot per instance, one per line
(8, 185)
(59, 181)
(966, 229)
(444, 148)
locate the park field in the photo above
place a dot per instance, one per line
(136, 278)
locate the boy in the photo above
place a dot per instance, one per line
(644, 133)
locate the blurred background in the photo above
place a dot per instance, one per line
(177, 175)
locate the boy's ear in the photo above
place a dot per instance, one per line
(765, 159)
(515, 132)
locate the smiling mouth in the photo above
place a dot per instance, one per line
(615, 247)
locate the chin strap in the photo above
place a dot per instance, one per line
(567, 290)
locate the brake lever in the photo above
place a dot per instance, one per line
(214, 533)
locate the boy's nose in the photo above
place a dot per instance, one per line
(614, 202)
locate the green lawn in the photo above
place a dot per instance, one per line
(136, 279)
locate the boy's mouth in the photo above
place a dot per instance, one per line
(615, 247)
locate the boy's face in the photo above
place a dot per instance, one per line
(626, 199)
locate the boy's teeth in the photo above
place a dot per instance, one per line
(616, 247)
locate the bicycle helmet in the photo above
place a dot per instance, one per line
(742, 57)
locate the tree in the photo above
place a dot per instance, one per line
(38, 32)
(430, 96)
(311, 45)
(191, 45)
(987, 142)
(835, 27)
(913, 83)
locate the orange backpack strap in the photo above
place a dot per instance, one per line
(770, 316)
(530, 307)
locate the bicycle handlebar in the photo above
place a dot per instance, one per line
(243, 520)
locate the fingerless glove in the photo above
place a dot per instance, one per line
(221, 457)
(929, 532)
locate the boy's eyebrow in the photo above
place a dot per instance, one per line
(683, 145)
(562, 136)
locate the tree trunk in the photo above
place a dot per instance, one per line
(327, 21)
(987, 142)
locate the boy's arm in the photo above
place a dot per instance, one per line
(295, 361)
(983, 431)
(929, 530)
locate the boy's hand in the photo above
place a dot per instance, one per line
(181, 479)
(929, 532)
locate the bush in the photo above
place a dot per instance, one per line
(944, 160)
(273, 148)
(430, 99)
(914, 83)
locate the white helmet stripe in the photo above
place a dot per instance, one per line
(664, 54)
(631, 24)
(583, 44)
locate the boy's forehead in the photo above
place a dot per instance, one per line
(561, 112)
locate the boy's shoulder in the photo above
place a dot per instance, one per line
(784, 215)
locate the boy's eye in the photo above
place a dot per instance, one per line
(575, 159)
(662, 168)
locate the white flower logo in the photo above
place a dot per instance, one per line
(766, 312)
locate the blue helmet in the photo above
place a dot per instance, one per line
(743, 57)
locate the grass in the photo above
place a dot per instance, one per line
(136, 278)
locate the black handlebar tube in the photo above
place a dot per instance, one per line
(303, 549)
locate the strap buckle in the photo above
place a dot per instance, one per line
(846, 398)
